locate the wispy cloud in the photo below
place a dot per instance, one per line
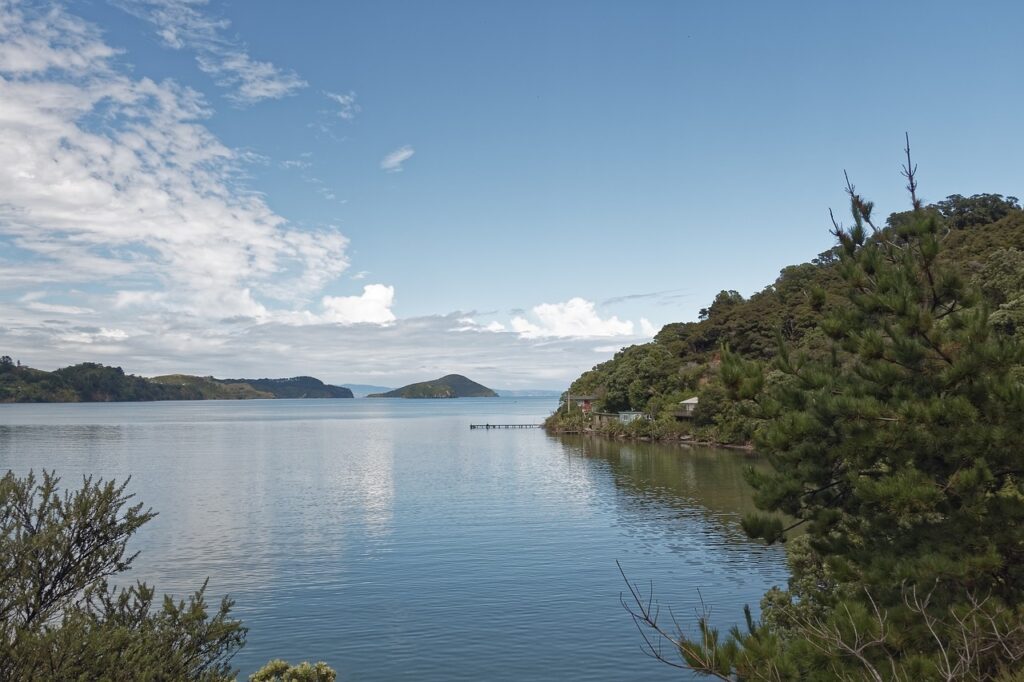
(392, 163)
(347, 107)
(669, 294)
(181, 25)
(468, 324)
(114, 180)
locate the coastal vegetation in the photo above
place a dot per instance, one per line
(61, 619)
(92, 382)
(448, 386)
(894, 425)
(982, 240)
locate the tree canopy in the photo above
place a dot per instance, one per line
(898, 454)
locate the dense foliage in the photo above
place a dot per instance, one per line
(280, 671)
(85, 382)
(59, 618)
(898, 449)
(982, 238)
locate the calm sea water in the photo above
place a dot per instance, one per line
(387, 538)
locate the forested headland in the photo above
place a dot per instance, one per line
(882, 382)
(982, 238)
(93, 382)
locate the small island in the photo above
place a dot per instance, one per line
(449, 386)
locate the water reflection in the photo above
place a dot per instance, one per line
(389, 539)
(708, 480)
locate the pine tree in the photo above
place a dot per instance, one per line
(899, 455)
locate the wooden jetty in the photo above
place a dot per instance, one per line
(506, 426)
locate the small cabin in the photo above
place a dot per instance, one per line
(629, 417)
(687, 408)
(585, 403)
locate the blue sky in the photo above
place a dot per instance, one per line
(381, 192)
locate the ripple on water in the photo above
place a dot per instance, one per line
(392, 541)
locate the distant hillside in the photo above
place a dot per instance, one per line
(451, 386)
(90, 382)
(363, 390)
(85, 382)
(295, 387)
(213, 389)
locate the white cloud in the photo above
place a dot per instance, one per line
(104, 335)
(392, 163)
(58, 309)
(468, 324)
(347, 107)
(181, 25)
(289, 164)
(574, 318)
(47, 41)
(646, 328)
(373, 306)
(114, 181)
(407, 350)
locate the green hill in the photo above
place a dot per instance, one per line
(295, 387)
(85, 382)
(450, 386)
(213, 389)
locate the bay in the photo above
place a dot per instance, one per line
(387, 538)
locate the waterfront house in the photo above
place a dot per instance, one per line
(629, 416)
(687, 408)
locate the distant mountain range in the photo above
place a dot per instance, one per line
(450, 386)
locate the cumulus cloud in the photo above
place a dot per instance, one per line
(576, 317)
(374, 306)
(407, 350)
(392, 163)
(114, 181)
(181, 25)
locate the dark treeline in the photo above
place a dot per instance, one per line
(92, 382)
